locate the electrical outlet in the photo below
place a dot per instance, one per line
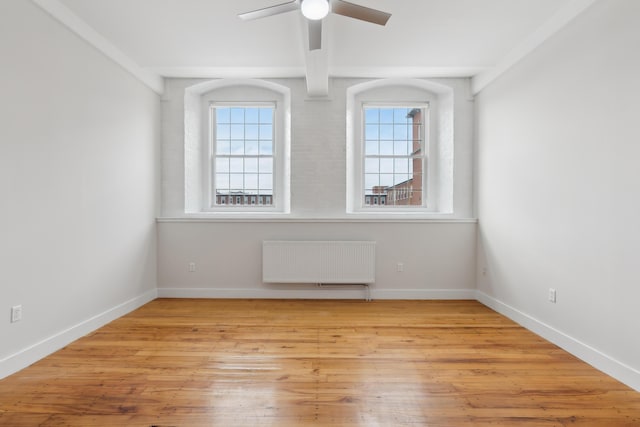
(400, 267)
(552, 295)
(16, 313)
(192, 267)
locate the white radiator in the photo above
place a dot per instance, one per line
(337, 262)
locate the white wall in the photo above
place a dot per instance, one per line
(79, 143)
(438, 256)
(558, 150)
(318, 148)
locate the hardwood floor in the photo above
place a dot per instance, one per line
(314, 363)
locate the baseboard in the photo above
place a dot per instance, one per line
(25, 357)
(610, 366)
(425, 294)
(618, 370)
(316, 292)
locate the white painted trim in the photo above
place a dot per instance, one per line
(607, 364)
(74, 23)
(229, 72)
(235, 72)
(27, 356)
(382, 220)
(311, 291)
(424, 294)
(418, 72)
(556, 23)
(308, 291)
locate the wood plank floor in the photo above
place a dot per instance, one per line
(314, 363)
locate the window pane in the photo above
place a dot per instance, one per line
(415, 150)
(371, 180)
(222, 164)
(400, 178)
(266, 131)
(251, 132)
(237, 147)
(223, 147)
(223, 131)
(371, 132)
(386, 165)
(400, 132)
(400, 115)
(266, 148)
(236, 165)
(386, 148)
(251, 181)
(266, 115)
(251, 165)
(386, 115)
(236, 180)
(386, 131)
(401, 165)
(265, 165)
(386, 179)
(222, 181)
(252, 115)
(223, 115)
(265, 183)
(417, 180)
(251, 148)
(401, 148)
(371, 148)
(371, 115)
(237, 115)
(237, 131)
(372, 165)
(415, 116)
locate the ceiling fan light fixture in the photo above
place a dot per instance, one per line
(314, 9)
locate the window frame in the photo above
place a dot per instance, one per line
(235, 96)
(443, 170)
(211, 155)
(195, 189)
(357, 168)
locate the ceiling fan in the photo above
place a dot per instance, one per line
(315, 10)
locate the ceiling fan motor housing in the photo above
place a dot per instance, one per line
(314, 9)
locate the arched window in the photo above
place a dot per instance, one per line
(237, 139)
(400, 146)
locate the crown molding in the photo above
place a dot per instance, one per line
(229, 72)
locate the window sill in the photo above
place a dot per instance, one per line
(288, 218)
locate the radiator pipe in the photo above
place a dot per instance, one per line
(366, 285)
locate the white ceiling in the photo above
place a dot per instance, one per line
(423, 38)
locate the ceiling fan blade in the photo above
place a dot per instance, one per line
(315, 34)
(362, 13)
(271, 10)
